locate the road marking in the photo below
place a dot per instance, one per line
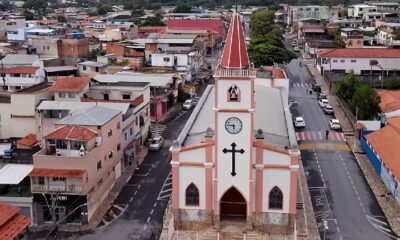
(131, 199)
(151, 212)
(129, 178)
(135, 193)
(155, 204)
(145, 226)
(148, 219)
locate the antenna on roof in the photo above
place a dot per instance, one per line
(236, 6)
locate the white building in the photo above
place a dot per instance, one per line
(358, 10)
(297, 13)
(362, 61)
(237, 157)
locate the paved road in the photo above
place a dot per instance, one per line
(339, 192)
(146, 195)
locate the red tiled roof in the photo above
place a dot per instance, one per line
(7, 211)
(385, 142)
(235, 55)
(390, 100)
(29, 140)
(212, 25)
(48, 172)
(11, 223)
(72, 133)
(395, 122)
(361, 53)
(152, 28)
(276, 72)
(69, 84)
(20, 70)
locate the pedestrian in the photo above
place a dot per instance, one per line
(326, 133)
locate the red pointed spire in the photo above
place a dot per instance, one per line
(235, 55)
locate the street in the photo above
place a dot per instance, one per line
(344, 206)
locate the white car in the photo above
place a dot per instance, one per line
(156, 143)
(334, 124)
(323, 102)
(188, 104)
(296, 49)
(299, 122)
(328, 109)
(294, 43)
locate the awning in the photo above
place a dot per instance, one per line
(14, 173)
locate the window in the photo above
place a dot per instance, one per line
(110, 155)
(353, 61)
(97, 69)
(58, 179)
(71, 95)
(83, 67)
(76, 145)
(334, 61)
(61, 144)
(110, 132)
(119, 146)
(61, 95)
(166, 59)
(48, 48)
(131, 131)
(233, 94)
(41, 180)
(126, 96)
(126, 136)
(99, 165)
(106, 96)
(275, 198)
(192, 195)
(342, 61)
(118, 125)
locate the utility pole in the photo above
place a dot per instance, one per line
(355, 131)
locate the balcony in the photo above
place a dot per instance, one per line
(61, 188)
(234, 73)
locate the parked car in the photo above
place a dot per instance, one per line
(316, 88)
(321, 96)
(299, 122)
(294, 42)
(296, 49)
(334, 124)
(156, 143)
(328, 109)
(323, 102)
(188, 104)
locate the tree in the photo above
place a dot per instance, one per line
(261, 22)
(103, 8)
(38, 7)
(153, 21)
(183, 8)
(346, 87)
(366, 100)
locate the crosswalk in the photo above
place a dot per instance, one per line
(157, 129)
(319, 136)
(166, 190)
(302, 85)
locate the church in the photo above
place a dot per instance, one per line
(236, 159)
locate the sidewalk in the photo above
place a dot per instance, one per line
(386, 201)
(117, 188)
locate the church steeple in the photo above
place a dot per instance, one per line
(235, 54)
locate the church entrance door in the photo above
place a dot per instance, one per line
(233, 206)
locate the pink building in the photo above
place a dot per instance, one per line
(78, 165)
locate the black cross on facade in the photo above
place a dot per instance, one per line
(233, 151)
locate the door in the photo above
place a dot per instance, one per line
(233, 206)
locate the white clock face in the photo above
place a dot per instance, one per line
(233, 125)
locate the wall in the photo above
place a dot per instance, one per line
(45, 46)
(157, 60)
(188, 175)
(5, 120)
(18, 36)
(360, 64)
(371, 155)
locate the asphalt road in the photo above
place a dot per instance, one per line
(341, 197)
(145, 195)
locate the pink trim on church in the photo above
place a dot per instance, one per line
(208, 177)
(175, 181)
(196, 146)
(269, 147)
(293, 192)
(259, 179)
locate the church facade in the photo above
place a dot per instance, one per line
(236, 159)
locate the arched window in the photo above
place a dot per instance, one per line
(275, 198)
(233, 94)
(192, 195)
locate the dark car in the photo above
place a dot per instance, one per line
(321, 96)
(316, 88)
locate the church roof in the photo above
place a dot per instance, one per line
(235, 54)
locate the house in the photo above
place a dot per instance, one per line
(212, 25)
(353, 38)
(369, 62)
(226, 166)
(69, 88)
(163, 89)
(79, 164)
(92, 68)
(13, 225)
(381, 148)
(390, 104)
(18, 113)
(296, 13)
(145, 31)
(358, 11)
(386, 34)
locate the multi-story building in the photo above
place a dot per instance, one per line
(78, 165)
(297, 13)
